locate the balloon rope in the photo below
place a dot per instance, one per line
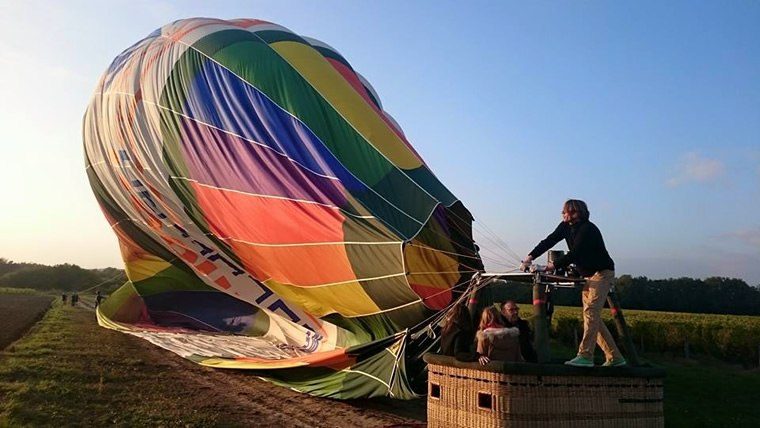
(398, 356)
(464, 295)
(101, 283)
(440, 314)
(510, 250)
(493, 239)
(463, 255)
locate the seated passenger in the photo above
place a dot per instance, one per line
(457, 333)
(496, 342)
(511, 315)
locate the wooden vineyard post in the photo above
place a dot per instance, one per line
(622, 328)
(543, 352)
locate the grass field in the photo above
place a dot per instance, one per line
(69, 371)
(704, 390)
(701, 392)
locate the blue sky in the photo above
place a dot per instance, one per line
(649, 111)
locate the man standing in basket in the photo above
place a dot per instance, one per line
(587, 251)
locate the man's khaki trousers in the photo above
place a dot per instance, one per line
(594, 331)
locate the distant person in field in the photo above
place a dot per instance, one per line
(587, 251)
(496, 342)
(98, 298)
(511, 316)
(74, 299)
(63, 298)
(457, 333)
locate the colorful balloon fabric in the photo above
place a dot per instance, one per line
(270, 214)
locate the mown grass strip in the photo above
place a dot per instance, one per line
(68, 371)
(704, 394)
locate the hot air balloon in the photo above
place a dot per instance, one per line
(270, 214)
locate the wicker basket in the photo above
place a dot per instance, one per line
(538, 395)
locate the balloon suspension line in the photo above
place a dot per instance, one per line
(491, 238)
(101, 283)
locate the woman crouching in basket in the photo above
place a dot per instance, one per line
(496, 342)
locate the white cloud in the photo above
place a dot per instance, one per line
(695, 168)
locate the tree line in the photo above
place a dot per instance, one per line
(715, 295)
(63, 277)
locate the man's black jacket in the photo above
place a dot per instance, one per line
(526, 339)
(585, 244)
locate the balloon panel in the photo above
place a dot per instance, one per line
(271, 215)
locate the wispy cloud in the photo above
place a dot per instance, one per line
(748, 236)
(695, 168)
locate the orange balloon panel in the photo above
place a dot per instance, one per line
(303, 266)
(268, 220)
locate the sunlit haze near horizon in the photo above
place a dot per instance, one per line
(649, 111)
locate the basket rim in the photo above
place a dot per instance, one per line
(551, 369)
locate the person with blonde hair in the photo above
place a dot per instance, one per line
(496, 342)
(589, 254)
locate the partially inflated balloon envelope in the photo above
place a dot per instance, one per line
(270, 214)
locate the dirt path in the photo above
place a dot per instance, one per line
(255, 401)
(109, 377)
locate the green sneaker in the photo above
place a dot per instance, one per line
(580, 361)
(615, 362)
